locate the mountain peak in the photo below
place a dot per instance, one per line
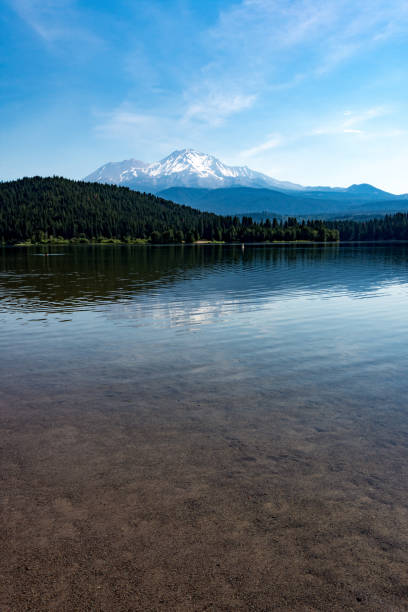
(183, 168)
(362, 187)
(185, 151)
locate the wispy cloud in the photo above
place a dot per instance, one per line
(352, 122)
(146, 130)
(354, 118)
(349, 122)
(188, 119)
(55, 21)
(262, 37)
(215, 107)
(126, 125)
(279, 24)
(271, 143)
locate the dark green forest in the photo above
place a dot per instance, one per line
(52, 210)
(47, 210)
(389, 227)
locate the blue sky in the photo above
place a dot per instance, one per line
(310, 91)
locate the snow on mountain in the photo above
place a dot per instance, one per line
(190, 169)
(185, 168)
(112, 172)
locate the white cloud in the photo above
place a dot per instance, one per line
(165, 131)
(252, 24)
(365, 115)
(184, 122)
(351, 121)
(258, 38)
(215, 107)
(125, 125)
(55, 20)
(271, 143)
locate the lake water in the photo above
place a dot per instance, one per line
(204, 428)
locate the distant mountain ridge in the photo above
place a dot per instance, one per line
(204, 182)
(247, 200)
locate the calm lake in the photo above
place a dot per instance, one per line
(204, 427)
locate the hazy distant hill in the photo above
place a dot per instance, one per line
(240, 200)
(355, 193)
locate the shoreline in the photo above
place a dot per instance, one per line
(146, 243)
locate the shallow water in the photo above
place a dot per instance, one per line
(195, 379)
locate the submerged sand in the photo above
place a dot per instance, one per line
(111, 503)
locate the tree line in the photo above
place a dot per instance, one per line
(389, 227)
(42, 210)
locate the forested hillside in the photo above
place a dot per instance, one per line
(54, 209)
(389, 227)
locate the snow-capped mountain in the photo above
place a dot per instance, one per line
(189, 169)
(112, 172)
(185, 168)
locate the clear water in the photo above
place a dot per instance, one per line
(316, 322)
